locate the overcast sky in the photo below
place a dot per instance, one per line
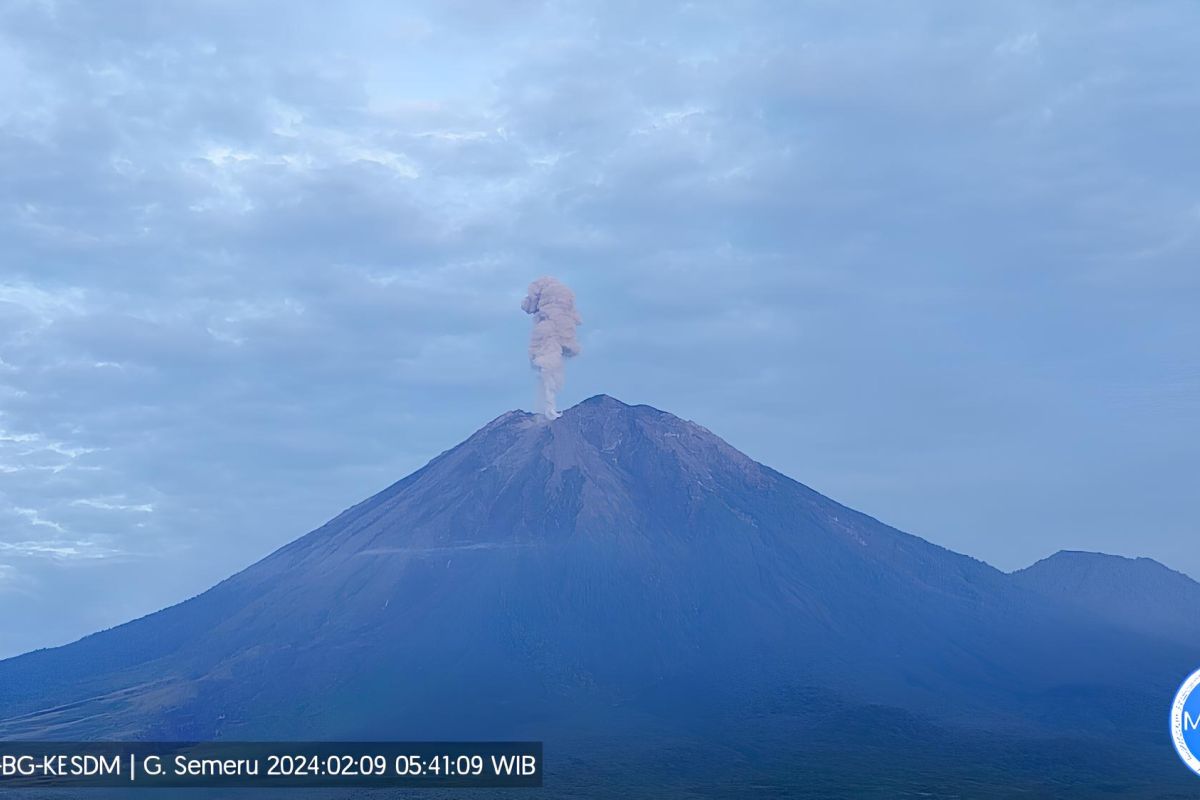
(937, 260)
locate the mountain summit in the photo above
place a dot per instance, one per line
(616, 570)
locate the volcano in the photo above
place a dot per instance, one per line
(622, 581)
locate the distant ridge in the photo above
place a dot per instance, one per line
(1138, 594)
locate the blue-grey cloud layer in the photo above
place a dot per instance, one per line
(938, 260)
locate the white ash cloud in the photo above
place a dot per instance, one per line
(552, 340)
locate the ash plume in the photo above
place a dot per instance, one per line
(552, 340)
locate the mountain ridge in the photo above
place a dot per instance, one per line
(1138, 594)
(1100, 556)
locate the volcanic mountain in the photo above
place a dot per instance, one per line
(616, 574)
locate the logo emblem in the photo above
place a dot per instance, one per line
(1185, 722)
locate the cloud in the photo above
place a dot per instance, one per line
(13, 582)
(111, 505)
(34, 517)
(1022, 44)
(56, 549)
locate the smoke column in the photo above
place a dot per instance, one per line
(553, 340)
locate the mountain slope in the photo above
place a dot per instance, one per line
(1136, 594)
(618, 571)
